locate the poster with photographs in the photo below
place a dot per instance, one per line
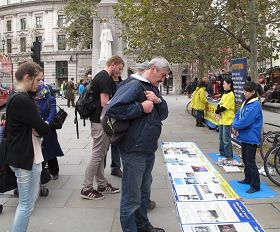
(213, 212)
(225, 227)
(201, 167)
(179, 148)
(183, 158)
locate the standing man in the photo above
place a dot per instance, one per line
(103, 90)
(115, 152)
(139, 101)
(70, 92)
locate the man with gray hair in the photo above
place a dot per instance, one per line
(139, 101)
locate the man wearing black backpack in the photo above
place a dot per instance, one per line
(139, 102)
(103, 90)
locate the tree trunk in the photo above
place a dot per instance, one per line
(253, 42)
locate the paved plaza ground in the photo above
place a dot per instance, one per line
(64, 210)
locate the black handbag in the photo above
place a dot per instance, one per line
(8, 180)
(45, 175)
(59, 119)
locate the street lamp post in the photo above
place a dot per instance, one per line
(3, 44)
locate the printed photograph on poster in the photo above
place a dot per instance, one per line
(181, 159)
(199, 192)
(226, 227)
(200, 167)
(213, 211)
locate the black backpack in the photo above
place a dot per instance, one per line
(85, 105)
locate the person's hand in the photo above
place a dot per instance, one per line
(235, 132)
(35, 132)
(150, 95)
(147, 106)
(218, 117)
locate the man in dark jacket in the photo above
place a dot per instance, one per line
(139, 101)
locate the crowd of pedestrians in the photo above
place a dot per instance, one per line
(136, 100)
(245, 124)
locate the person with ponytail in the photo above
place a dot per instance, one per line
(225, 115)
(247, 126)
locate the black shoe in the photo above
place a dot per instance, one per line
(243, 182)
(117, 172)
(152, 205)
(152, 229)
(1, 208)
(252, 190)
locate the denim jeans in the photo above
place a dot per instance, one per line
(115, 157)
(225, 148)
(199, 115)
(28, 182)
(250, 168)
(136, 190)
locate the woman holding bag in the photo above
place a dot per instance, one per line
(25, 127)
(50, 145)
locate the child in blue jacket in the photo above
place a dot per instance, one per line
(247, 126)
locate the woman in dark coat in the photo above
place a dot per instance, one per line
(50, 145)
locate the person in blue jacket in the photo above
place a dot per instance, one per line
(247, 126)
(139, 102)
(50, 145)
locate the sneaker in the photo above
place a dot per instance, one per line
(55, 177)
(272, 171)
(108, 189)
(91, 194)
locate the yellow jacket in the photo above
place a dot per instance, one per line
(200, 99)
(193, 98)
(227, 101)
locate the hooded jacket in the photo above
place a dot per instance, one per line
(248, 122)
(200, 100)
(145, 128)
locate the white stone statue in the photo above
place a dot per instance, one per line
(106, 39)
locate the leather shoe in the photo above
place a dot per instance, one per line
(152, 229)
(117, 172)
(252, 190)
(152, 205)
(243, 182)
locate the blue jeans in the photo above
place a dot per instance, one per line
(250, 170)
(136, 190)
(225, 148)
(115, 157)
(28, 182)
(199, 115)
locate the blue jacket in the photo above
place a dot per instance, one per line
(248, 122)
(145, 128)
(50, 145)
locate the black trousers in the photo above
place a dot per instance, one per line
(53, 166)
(250, 170)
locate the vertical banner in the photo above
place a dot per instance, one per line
(239, 74)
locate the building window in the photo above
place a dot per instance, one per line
(9, 25)
(9, 45)
(61, 40)
(61, 70)
(61, 20)
(38, 22)
(23, 23)
(22, 44)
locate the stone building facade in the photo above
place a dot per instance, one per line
(24, 21)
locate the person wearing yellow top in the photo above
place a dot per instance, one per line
(199, 102)
(225, 116)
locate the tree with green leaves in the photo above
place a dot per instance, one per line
(79, 15)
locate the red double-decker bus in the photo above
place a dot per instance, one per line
(6, 78)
